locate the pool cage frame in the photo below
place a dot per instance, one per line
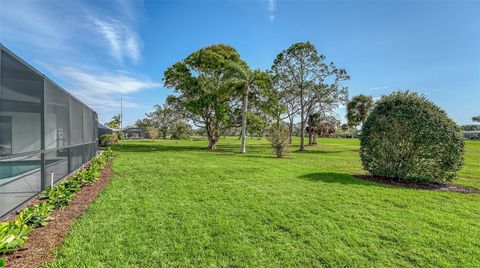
(46, 133)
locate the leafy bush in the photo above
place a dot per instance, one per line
(108, 139)
(278, 137)
(181, 131)
(407, 136)
(151, 132)
(12, 236)
(2, 262)
(59, 196)
(35, 216)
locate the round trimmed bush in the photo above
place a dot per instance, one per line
(407, 136)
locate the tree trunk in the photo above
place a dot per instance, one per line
(290, 129)
(212, 143)
(302, 135)
(244, 119)
(310, 136)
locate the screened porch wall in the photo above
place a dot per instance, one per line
(45, 132)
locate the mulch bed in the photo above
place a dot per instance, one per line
(440, 187)
(44, 240)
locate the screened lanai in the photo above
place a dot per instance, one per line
(45, 132)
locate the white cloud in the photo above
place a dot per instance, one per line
(124, 43)
(78, 44)
(382, 87)
(271, 9)
(271, 5)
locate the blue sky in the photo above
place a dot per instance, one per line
(101, 50)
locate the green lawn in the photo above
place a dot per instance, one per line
(172, 203)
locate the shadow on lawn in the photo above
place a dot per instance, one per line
(331, 177)
(150, 147)
(221, 149)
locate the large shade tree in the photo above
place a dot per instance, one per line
(358, 109)
(302, 72)
(476, 118)
(205, 95)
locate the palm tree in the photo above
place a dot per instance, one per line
(241, 75)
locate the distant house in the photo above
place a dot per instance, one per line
(471, 134)
(134, 133)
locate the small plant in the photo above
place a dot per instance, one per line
(2, 262)
(279, 139)
(12, 236)
(35, 216)
(58, 196)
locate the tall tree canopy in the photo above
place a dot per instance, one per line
(476, 118)
(301, 73)
(206, 96)
(358, 109)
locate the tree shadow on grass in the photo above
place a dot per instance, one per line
(135, 147)
(146, 146)
(339, 178)
(326, 151)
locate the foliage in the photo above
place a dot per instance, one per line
(115, 122)
(58, 196)
(279, 139)
(476, 118)
(302, 77)
(35, 216)
(163, 119)
(121, 136)
(152, 132)
(12, 236)
(407, 136)
(256, 125)
(108, 139)
(182, 131)
(358, 109)
(205, 96)
(2, 262)
(347, 131)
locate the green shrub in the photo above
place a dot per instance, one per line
(35, 216)
(2, 262)
(108, 139)
(181, 131)
(278, 137)
(59, 196)
(12, 236)
(407, 136)
(151, 132)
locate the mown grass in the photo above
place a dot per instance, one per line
(175, 204)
